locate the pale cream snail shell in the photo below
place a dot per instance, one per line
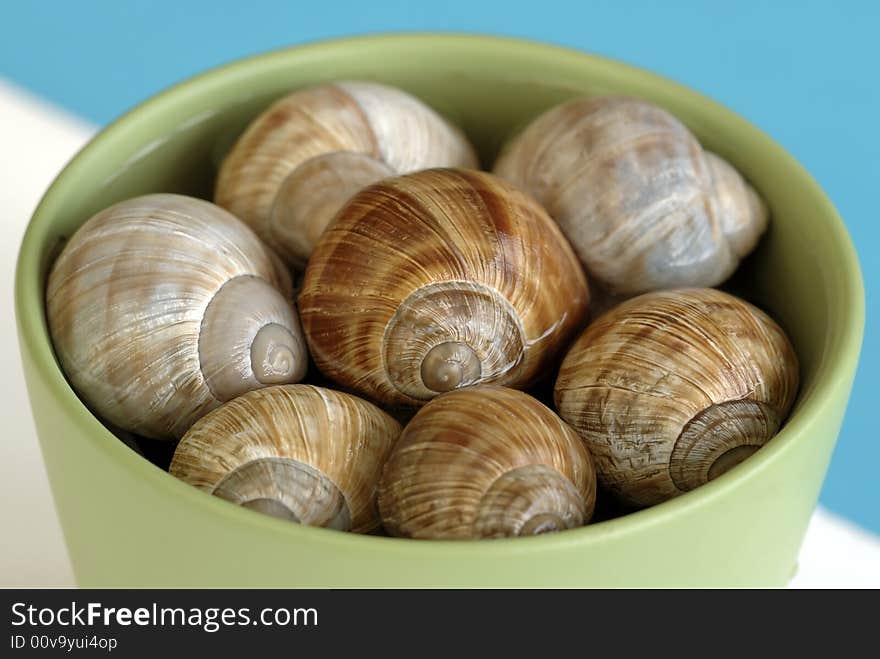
(644, 206)
(437, 280)
(163, 306)
(486, 462)
(673, 388)
(302, 159)
(298, 452)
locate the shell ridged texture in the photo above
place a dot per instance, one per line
(366, 118)
(665, 384)
(126, 301)
(466, 451)
(312, 194)
(343, 438)
(452, 257)
(643, 205)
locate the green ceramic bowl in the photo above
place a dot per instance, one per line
(127, 523)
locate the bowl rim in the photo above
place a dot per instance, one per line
(835, 370)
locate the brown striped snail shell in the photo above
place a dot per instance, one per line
(486, 462)
(644, 206)
(163, 306)
(298, 452)
(302, 159)
(673, 388)
(437, 280)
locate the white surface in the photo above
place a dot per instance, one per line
(837, 554)
(36, 141)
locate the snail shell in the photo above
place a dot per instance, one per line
(673, 388)
(644, 206)
(437, 280)
(302, 453)
(486, 462)
(304, 157)
(163, 306)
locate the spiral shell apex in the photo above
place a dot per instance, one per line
(438, 280)
(644, 206)
(673, 388)
(304, 157)
(486, 462)
(163, 306)
(297, 452)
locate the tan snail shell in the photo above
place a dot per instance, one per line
(437, 280)
(644, 206)
(486, 462)
(673, 388)
(302, 453)
(302, 159)
(163, 306)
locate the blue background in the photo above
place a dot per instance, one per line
(805, 72)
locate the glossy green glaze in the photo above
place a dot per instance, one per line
(127, 523)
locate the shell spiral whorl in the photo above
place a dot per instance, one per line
(249, 338)
(530, 500)
(438, 280)
(451, 334)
